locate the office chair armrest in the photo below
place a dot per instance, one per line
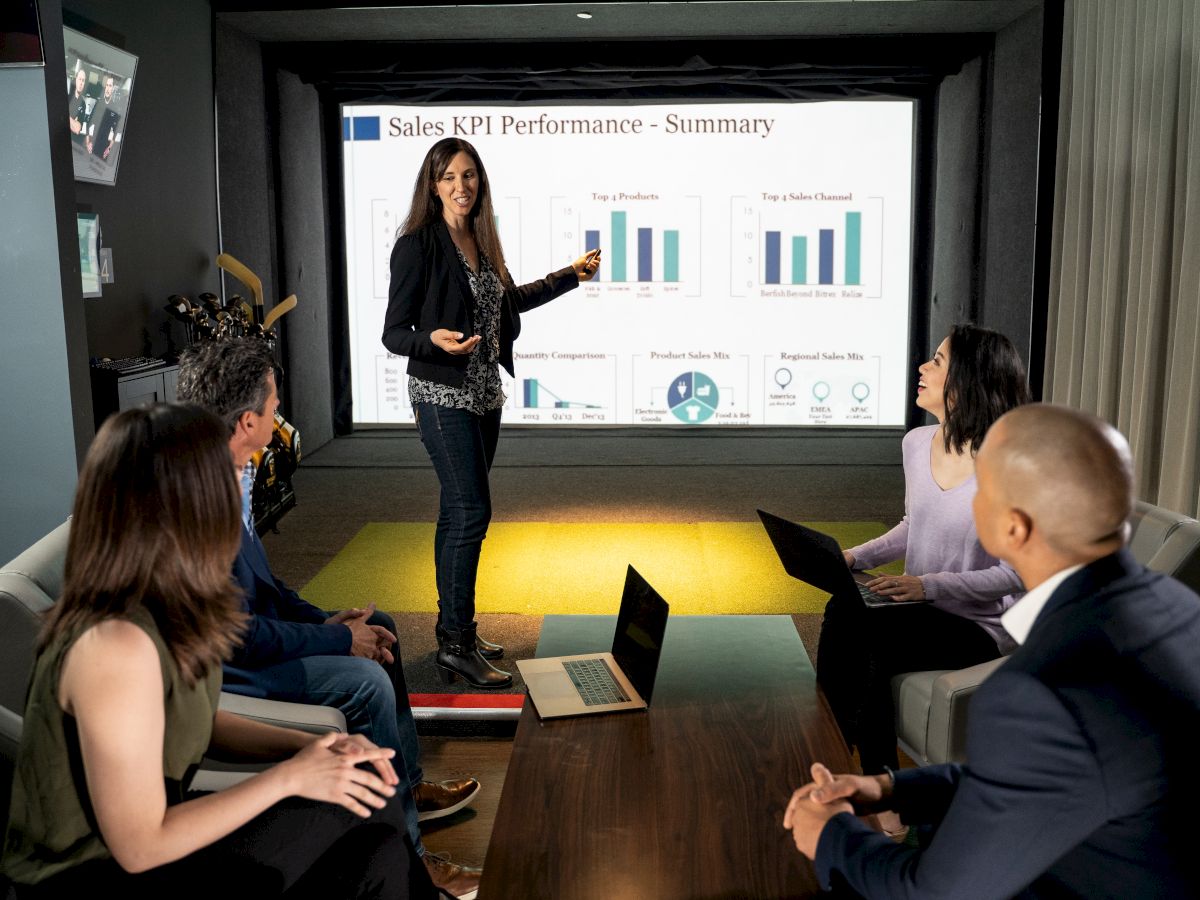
(952, 692)
(301, 716)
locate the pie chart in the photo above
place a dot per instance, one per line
(692, 397)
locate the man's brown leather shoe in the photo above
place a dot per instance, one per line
(458, 881)
(435, 799)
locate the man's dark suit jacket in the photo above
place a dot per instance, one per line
(1081, 774)
(282, 626)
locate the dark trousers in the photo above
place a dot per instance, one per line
(462, 446)
(395, 672)
(296, 849)
(861, 648)
(372, 697)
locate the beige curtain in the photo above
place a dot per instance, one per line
(1124, 332)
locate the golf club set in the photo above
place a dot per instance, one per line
(208, 319)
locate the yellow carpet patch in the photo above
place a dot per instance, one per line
(535, 568)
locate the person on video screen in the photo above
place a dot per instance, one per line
(78, 104)
(102, 131)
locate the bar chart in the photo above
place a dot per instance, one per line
(851, 244)
(562, 388)
(646, 244)
(535, 395)
(813, 244)
(508, 223)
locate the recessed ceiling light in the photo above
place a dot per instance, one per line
(583, 15)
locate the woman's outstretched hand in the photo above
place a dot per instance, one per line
(587, 265)
(452, 342)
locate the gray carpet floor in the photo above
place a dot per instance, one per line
(583, 476)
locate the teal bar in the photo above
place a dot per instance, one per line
(799, 260)
(618, 246)
(670, 256)
(853, 248)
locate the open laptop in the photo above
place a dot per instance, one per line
(605, 682)
(816, 559)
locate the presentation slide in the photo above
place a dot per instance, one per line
(756, 257)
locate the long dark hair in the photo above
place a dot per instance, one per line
(156, 526)
(985, 379)
(426, 208)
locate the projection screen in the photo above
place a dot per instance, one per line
(756, 257)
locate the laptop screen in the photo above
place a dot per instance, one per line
(809, 555)
(641, 625)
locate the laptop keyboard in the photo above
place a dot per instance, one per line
(594, 681)
(869, 595)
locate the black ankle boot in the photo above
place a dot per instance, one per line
(487, 649)
(459, 657)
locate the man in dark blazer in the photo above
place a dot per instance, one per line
(294, 651)
(1080, 776)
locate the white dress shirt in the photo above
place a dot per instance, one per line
(1019, 618)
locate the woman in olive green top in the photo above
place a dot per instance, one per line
(123, 704)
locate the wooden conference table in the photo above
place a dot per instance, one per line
(683, 800)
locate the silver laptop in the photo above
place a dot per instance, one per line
(590, 683)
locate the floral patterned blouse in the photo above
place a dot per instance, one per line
(481, 390)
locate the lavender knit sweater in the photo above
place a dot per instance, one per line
(938, 542)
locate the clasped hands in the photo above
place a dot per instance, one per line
(827, 795)
(368, 641)
(346, 769)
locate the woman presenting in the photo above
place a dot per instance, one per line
(975, 377)
(454, 311)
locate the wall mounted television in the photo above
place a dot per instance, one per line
(99, 86)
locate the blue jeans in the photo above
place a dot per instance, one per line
(374, 700)
(462, 446)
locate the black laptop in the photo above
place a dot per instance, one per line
(816, 559)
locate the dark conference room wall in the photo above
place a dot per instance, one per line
(160, 219)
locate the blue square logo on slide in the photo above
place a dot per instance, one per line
(366, 128)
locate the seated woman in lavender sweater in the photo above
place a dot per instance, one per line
(974, 377)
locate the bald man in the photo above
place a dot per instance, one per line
(1081, 780)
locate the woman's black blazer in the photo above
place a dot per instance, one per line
(429, 290)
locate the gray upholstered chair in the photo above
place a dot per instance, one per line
(28, 586)
(931, 707)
